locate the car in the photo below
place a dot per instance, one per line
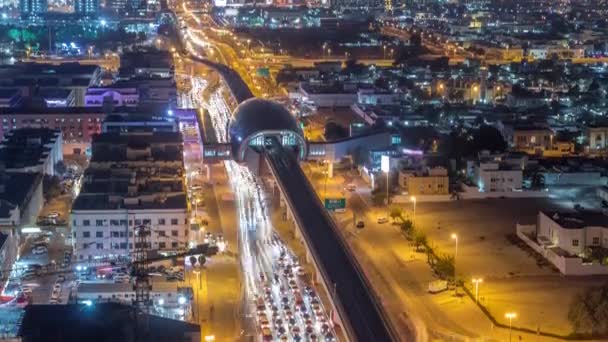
(53, 301)
(264, 323)
(351, 187)
(325, 328)
(53, 215)
(40, 250)
(60, 278)
(382, 219)
(266, 334)
(26, 290)
(329, 337)
(301, 272)
(360, 224)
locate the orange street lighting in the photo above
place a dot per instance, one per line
(510, 316)
(477, 281)
(413, 199)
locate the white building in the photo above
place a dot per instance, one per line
(133, 180)
(119, 97)
(573, 232)
(492, 176)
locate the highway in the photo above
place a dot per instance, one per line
(351, 294)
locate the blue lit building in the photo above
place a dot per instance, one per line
(30, 9)
(87, 8)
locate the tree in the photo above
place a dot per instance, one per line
(396, 213)
(51, 187)
(407, 227)
(444, 266)
(60, 167)
(588, 311)
(419, 239)
(334, 131)
(192, 260)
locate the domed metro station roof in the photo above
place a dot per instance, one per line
(260, 116)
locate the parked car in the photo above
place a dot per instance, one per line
(360, 224)
(382, 219)
(40, 250)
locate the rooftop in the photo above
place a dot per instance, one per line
(26, 147)
(86, 201)
(578, 219)
(100, 322)
(15, 189)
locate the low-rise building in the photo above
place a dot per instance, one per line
(10, 97)
(494, 176)
(429, 181)
(57, 97)
(117, 97)
(77, 124)
(133, 180)
(597, 138)
(531, 139)
(573, 231)
(32, 150)
(20, 198)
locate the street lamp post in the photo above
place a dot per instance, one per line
(510, 316)
(413, 198)
(477, 281)
(455, 238)
(385, 166)
(384, 48)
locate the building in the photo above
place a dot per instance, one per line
(597, 136)
(10, 97)
(133, 180)
(36, 77)
(100, 322)
(532, 139)
(573, 231)
(146, 64)
(135, 122)
(124, 293)
(89, 8)
(30, 9)
(429, 181)
(37, 150)
(495, 176)
(116, 97)
(57, 97)
(20, 198)
(328, 95)
(77, 124)
(569, 240)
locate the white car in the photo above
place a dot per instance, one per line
(382, 219)
(40, 250)
(53, 215)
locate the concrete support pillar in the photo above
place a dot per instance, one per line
(208, 169)
(330, 170)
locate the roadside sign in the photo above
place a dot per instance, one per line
(335, 203)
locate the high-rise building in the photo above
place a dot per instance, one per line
(32, 8)
(86, 7)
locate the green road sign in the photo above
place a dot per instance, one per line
(335, 203)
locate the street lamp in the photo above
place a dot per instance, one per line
(455, 238)
(477, 281)
(384, 48)
(385, 163)
(413, 199)
(510, 316)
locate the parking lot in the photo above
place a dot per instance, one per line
(515, 278)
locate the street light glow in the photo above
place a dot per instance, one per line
(511, 315)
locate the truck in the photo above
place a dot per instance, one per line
(437, 286)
